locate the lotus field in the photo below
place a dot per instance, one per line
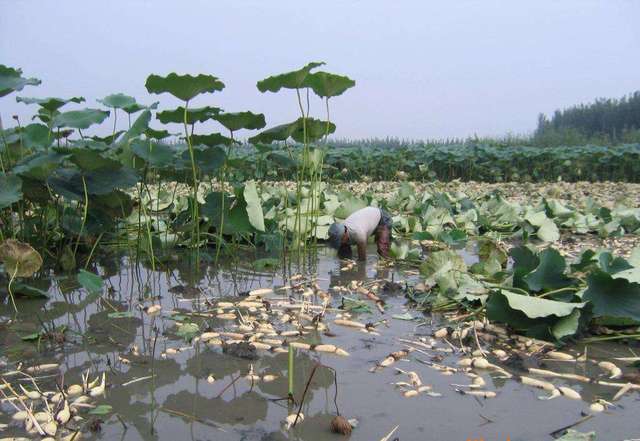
(145, 258)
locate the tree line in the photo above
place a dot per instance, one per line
(604, 121)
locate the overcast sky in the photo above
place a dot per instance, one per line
(424, 69)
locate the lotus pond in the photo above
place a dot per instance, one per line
(162, 285)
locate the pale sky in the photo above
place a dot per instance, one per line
(424, 69)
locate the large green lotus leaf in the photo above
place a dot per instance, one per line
(51, 103)
(68, 182)
(237, 220)
(550, 272)
(208, 159)
(91, 282)
(535, 307)
(183, 87)
(611, 297)
(442, 262)
(548, 231)
(282, 160)
(254, 207)
(104, 181)
(289, 80)
(212, 207)
(557, 209)
(612, 265)
(631, 274)
(39, 165)
(194, 115)
(277, 133)
(211, 140)
(587, 259)
(36, 136)
(348, 206)
(567, 326)
(12, 80)
(117, 100)
(90, 160)
(524, 261)
(241, 120)
(327, 85)
(116, 204)
(313, 128)
(157, 155)
(139, 126)
(19, 258)
(10, 190)
(36, 191)
(543, 323)
(80, 119)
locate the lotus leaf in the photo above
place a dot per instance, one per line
(12, 80)
(91, 282)
(194, 115)
(10, 190)
(290, 80)
(254, 207)
(80, 119)
(51, 104)
(612, 297)
(19, 258)
(549, 273)
(241, 120)
(117, 101)
(184, 87)
(327, 85)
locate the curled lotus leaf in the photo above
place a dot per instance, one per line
(313, 128)
(327, 85)
(550, 272)
(139, 126)
(241, 120)
(80, 119)
(281, 132)
(19, 258)
(11, 80)
(51, 104)
(254, 207)
(289, 80)
(184, 87)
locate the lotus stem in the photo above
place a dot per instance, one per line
(290, 372)
(84, 215)
(195, 220)
(13, 276)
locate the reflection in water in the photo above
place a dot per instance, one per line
(172, 399)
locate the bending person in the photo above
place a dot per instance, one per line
(356, 229)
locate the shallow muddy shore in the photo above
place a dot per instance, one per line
(199, 392)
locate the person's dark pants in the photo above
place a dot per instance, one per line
(383, 233)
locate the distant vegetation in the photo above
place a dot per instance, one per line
(605, 121)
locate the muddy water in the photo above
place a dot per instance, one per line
(179, 403)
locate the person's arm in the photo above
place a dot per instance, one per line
(362, 250)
